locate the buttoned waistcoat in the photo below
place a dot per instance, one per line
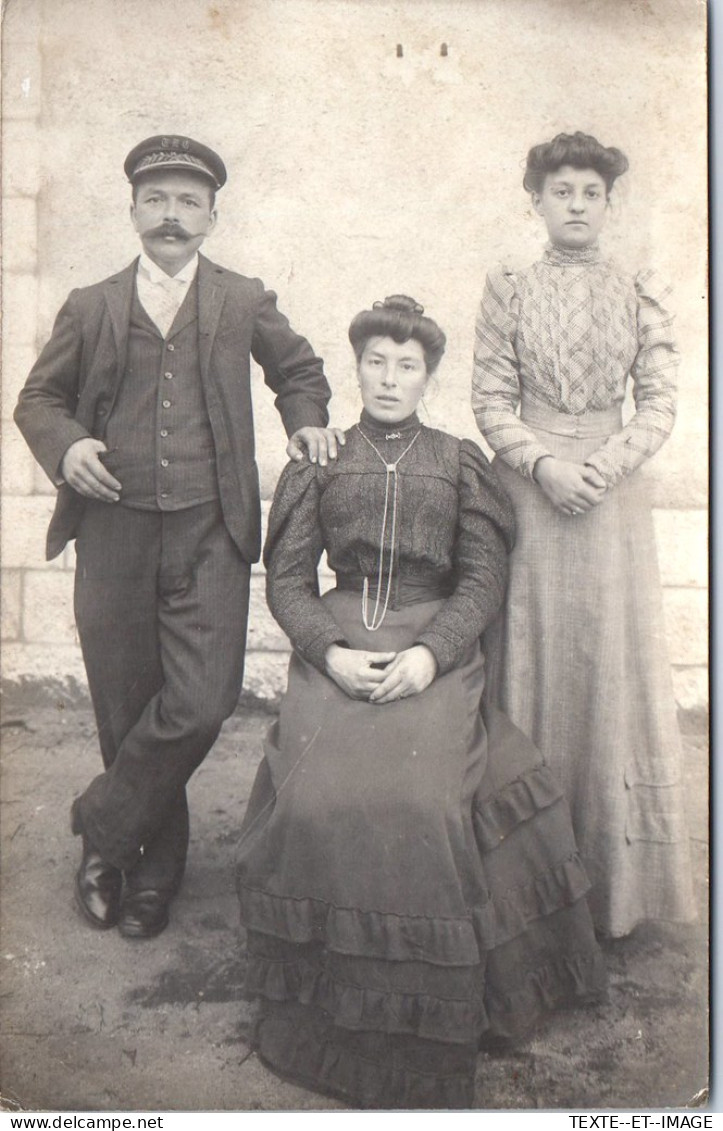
(73, 385)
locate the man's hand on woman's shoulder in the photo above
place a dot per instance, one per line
(318, 444)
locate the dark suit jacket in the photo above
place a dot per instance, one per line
(72, 387)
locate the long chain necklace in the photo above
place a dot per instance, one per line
(391, 481)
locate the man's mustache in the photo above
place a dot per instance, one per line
(170, 230)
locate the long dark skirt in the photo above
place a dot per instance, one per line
(409, 882)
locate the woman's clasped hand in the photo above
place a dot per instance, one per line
(571, 487)
(381, 677)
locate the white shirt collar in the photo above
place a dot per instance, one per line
(156, 274)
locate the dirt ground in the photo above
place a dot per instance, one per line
(94, 1022)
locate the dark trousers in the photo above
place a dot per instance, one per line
(161, 604)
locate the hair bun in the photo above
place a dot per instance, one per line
(400, 302)
(401, 318)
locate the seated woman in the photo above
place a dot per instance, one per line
(408, 876)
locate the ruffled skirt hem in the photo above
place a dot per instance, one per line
(368, 1074)
(505, 1010)
(444, 941)
(385, 1066)
(388, 1011)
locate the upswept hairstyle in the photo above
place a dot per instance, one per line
(399, 317)
(580, 150)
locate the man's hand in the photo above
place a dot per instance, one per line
(408, 674)
(320, 444)
(352, 670)
(82, 468)
(571, 487)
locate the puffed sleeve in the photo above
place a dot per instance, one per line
(496, 376)
(292, 551)
(654, 374)
(485, 536)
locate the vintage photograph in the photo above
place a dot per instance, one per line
(354, 556)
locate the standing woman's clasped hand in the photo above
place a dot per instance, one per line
(571, 487)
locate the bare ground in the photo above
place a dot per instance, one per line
(95, 1022)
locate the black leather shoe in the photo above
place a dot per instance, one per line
(98, 889)
(143, 914)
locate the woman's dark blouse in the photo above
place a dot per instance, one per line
(455, 528)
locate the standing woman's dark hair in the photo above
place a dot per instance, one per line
(580, 151)
(577, 658)
(401, 318)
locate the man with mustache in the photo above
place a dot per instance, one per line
(139, 409)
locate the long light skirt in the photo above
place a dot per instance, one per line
(579, 662)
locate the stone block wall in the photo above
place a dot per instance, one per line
(324, 225)
(38, 634)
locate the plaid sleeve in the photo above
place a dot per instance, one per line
(654, 374)
(495, 380)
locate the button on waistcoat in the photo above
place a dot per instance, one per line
(159, 434)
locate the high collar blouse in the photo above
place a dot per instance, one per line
(566, 333)
(453, 533)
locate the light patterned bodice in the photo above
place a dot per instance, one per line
(566, 333)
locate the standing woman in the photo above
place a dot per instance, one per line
(578, 657)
